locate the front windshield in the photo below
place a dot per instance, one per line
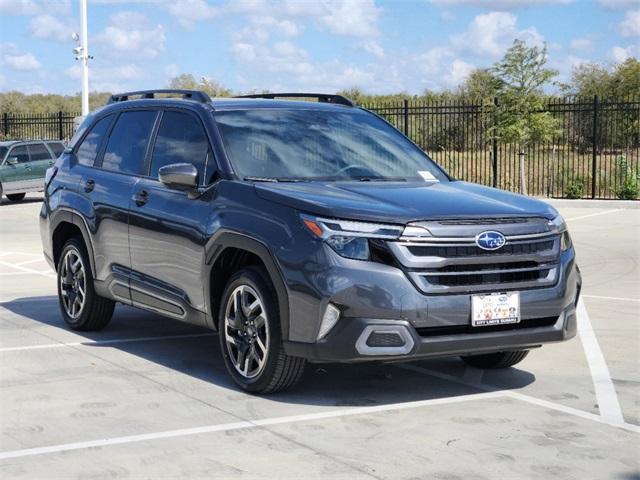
(314, 144)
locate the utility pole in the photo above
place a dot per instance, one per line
(81, 51)
(85, 57)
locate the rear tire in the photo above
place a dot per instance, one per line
(251, 335)
(496, 360)
(15, 197)
(81, 308)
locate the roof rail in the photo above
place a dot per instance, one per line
(195, 95)
(322, 97)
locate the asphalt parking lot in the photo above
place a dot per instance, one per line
(149, 398)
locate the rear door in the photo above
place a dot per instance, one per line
(166, 227)
(108, 187)
(40, 160)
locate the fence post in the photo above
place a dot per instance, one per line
(594, 148)
(494, 147)
(5, 123)
(60, 132)
(406, 117)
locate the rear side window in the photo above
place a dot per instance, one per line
(20, 153)
(38, 152)
(88, 150)
(180, 139)
(57, 148)
(128, 141)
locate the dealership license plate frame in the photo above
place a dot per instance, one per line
(488, 309)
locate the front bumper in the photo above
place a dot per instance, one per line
(381, 296)
(341, 345)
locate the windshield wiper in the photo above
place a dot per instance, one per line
(381, 179)
(274, 179)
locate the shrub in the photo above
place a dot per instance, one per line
(630, 188)
(575, 188)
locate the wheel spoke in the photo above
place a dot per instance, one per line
(261, 345)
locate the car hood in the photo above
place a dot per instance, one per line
(402, 202)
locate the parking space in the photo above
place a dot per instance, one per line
(149, 398)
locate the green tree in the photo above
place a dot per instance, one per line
(188, 82)
(520, 118)
(480, 86)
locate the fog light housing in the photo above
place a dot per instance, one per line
(329, 319)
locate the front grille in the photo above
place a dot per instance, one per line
(468, 329)
(487, 278)
(473, 251)
(450, 262)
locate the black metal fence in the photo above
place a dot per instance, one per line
(42, 126)
(594, 154)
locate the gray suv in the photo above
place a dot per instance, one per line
(302, 232)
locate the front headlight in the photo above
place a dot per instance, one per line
(559, 225)
(347, 238)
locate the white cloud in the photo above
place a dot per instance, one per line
(48, 27)
(618, 4)
(620, 54)
(499, 4)
(357, 18)
(187, 12)
(458, 72)
(19, 7)
(109, 79)
(630, 26)
(581, 44)
(284, 27)
(131, 33)
(24, 61)
(374, 48)
(492, 33)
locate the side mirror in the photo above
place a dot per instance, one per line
(12, 161)
(180, 176)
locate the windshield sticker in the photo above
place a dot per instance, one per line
(427, 176)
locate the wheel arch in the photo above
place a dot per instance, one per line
(65, 225)
(226, 244)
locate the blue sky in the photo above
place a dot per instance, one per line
(323, 45)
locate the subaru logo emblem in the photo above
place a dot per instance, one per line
(490, 240)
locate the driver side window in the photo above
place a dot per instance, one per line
(181, 139)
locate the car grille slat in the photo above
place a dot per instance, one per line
(453, 264)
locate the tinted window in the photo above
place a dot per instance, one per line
(91, 144)
(20, 153)
(3, 152)
(38, 152)
(57, 148)
(181, 139)
(127, 142)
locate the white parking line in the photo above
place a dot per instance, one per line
(594, 214)
(605, 391)
(225, 427)
(49, 274)
(620, 299)
(104, 342)
(519, 396)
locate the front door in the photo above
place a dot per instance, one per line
(18, 174)
(167, 229)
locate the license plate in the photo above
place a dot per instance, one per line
(495, 309)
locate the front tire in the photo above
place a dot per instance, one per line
(496, 360)
(81, 308)
(15, 197)
(251, 336)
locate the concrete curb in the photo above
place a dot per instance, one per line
(585, 203)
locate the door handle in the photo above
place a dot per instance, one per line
(89, 186)
(27, 166)
(51, 162)
(141, 197)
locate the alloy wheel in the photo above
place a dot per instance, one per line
(73, 284)
(246, 331)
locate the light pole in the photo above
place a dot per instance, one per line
(82, 54)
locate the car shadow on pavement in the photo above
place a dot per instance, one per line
(190, 351)
(5, 202)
